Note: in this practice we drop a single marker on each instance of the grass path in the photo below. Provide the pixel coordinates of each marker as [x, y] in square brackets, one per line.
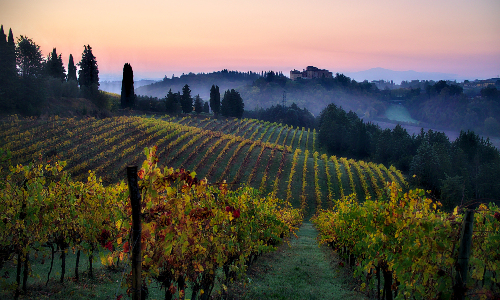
[299, 271]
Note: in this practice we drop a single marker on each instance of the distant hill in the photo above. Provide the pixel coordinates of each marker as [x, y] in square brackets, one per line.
[198, 83]
[398, 76]
[116, 86]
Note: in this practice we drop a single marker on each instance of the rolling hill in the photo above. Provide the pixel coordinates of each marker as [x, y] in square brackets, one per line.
[273, 158]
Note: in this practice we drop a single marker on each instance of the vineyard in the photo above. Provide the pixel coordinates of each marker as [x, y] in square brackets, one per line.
[190, 228]
[403, 245]
[267, 156]
[65, 190]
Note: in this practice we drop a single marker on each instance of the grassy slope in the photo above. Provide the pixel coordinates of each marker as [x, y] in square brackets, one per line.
[297, 271]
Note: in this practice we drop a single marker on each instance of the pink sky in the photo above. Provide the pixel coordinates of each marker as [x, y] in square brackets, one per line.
[161, 37]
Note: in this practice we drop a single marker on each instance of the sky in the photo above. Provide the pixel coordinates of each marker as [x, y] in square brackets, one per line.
[162, 37]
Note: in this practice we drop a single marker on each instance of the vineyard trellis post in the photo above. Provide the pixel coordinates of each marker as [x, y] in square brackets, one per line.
[464, 254]
[135, 201]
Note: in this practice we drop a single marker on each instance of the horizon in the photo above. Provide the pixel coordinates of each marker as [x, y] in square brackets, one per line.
[158, 39]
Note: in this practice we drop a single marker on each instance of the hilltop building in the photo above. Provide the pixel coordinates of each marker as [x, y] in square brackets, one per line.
[309, 73]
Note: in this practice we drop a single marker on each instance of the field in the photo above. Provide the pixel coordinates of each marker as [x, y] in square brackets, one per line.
[268, 156]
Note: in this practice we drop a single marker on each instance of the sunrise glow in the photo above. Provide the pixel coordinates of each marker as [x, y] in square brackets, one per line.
[160, 37]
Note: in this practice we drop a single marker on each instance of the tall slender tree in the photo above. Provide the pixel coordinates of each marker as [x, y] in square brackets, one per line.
[186, 100]
[3, 60]
[215, 99]
[11, 55]
[71, 69]
[127, 95]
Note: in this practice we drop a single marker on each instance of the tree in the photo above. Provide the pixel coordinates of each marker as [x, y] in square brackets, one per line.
[425, 168]
[186, 100]
[31, 94]
[29, 58]
[88, 75]
[54, 66]
[172, 104]
[206, 107]
[215, 99]
[71, 69]
[8, 72]
[198, 104]
[127, 95]
[232, 104]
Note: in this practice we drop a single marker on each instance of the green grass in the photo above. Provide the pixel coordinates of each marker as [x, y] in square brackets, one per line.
[397, 112]
[301, 270]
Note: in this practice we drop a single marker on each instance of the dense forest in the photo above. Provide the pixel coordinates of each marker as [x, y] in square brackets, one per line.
[456, 172]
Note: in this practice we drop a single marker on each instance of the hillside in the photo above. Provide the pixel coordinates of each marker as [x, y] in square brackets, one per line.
[198, 83]
[273, 158]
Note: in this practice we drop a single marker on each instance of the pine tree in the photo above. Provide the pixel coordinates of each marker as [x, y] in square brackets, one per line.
[54, 66]
[172, 104]
[186, 100]
[88, 75]
[215, 99]
[206, 107]
[198, 104]
[71, 69]
[232, 104]
[127, 95]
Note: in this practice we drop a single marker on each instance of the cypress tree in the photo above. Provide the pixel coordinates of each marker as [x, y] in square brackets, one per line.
[71, 69]
[186, 100]
[3, 61]
[11, 54]
[127, 95]
[215, 99]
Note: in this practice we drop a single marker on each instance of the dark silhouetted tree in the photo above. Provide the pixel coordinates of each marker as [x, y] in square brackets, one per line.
[31, 93]
[172, 103]
[88, 75]
[186, 100]
[71, 69]
[11, 55]
[215, 99]
[127, 95]
[232, 104]
[54, 66]
[206, 107]
[8, 72]
[29, 58]
[198, 104]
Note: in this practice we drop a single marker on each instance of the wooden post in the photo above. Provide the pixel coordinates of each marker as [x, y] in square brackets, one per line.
[135, 201]
[463, 255]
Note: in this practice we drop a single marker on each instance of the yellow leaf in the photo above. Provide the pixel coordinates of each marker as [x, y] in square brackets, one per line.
[119, 241]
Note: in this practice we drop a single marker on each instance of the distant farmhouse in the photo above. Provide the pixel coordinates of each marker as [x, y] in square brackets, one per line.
[309, 73]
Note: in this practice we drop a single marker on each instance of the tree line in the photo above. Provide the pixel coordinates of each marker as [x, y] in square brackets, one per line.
[231, 105]
[28, 79]
[456, 172]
